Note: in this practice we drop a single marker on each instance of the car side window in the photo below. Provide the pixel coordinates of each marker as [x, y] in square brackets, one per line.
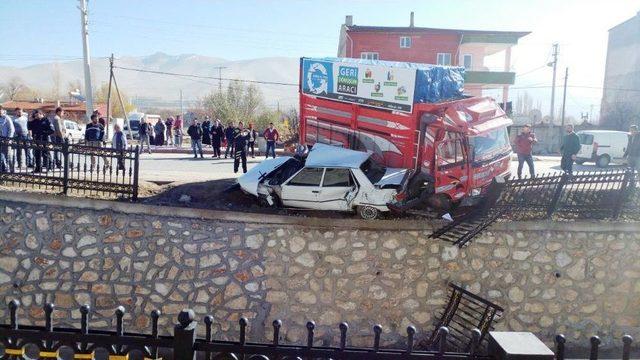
[307, 177]
[337, 178]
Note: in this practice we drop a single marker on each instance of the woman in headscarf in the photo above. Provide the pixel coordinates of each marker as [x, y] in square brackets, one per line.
[160, 129]
[206, 131]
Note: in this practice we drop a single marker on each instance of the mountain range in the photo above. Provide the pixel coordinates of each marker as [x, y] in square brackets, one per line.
[164, 90]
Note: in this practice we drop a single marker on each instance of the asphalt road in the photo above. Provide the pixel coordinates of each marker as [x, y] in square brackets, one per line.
[164, 168]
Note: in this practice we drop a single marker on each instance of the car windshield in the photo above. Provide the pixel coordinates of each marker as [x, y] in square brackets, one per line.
[488, 145]
[373, 170]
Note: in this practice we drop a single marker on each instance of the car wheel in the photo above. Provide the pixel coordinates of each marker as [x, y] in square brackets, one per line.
[368, 212]
[603, 161]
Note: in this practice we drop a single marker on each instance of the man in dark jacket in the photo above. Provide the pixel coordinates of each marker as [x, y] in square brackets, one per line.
[240, 140]
[569, 149]
[524, 146]
[144, 132]
[195, 132]
[41, 130]
[633, 149]
[94, 135]
[229, 134]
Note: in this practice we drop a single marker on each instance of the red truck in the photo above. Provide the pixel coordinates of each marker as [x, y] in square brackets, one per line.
[454, 147]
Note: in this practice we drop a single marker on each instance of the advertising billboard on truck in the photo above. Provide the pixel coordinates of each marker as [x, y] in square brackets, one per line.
[360, 82]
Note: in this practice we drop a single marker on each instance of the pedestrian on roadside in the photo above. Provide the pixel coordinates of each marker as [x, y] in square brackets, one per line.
[119, 143]
[253, 137]
[152, 133]
[240, 140]
[524, 147]
[206, 131]
[143, 132]
[195, 132]
[569, 149]
[59, 135]
[217, 134]
[229, 134]
[633, 149]
[41, 129]
[21, 125]
[177, 131]
[169, 125]
[94, 136]
[271, 136]
[160, 131]
[7, 132]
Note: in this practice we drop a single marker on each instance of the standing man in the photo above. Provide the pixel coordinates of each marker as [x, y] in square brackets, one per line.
[240, 140]
[41, 130]
[217, 134]
[271, 136]
[21, 125]
[7, 131]
[253, 137]
[94, 135]
[229, 134]
[195, 132]
[633, 149]
[119, 143]
[524, 147]
[569, 149]
[143, 132]
[59, 135]
[177, 131]
[169, 125]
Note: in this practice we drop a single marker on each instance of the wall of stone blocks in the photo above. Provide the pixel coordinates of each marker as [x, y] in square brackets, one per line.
[579, 279]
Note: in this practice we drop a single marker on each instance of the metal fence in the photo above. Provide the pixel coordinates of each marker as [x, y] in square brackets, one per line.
[48, 341]
[609, 194]
[67, 167]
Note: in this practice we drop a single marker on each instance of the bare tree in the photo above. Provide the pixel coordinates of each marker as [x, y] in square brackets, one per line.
[56, 81]
[13, 88]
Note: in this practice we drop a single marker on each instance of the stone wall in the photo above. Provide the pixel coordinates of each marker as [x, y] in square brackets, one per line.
[576, 278]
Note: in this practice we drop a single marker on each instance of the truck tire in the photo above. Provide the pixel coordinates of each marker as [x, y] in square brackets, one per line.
[368, 212]
[440, 202]
[603, 161]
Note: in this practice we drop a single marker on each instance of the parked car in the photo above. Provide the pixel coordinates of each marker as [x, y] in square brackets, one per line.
[602, 147]
[74, 131]
[328, 178]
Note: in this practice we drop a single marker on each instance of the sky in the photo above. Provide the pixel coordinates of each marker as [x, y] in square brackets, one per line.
[48, 30]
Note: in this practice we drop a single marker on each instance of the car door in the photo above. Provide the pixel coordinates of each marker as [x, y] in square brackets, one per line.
[302, 189]
[337, 184]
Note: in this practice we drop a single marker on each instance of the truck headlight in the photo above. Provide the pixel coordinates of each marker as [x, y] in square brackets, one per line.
[476, 191]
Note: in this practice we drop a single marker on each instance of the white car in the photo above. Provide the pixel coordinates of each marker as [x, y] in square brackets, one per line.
[74, 131]
[602, 147]
[330, 178]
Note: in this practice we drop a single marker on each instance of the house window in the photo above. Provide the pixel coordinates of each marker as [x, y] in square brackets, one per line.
[467, 61]
[405, 42]
[369, 55]
[444, 59]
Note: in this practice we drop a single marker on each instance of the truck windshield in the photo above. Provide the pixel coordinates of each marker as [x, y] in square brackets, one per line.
[373, 170]
[486, 146]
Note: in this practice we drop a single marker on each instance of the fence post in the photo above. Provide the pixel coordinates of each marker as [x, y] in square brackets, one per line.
[556, 195]
[65, 155]
[184, 336]
[136, 167]
[622, 197]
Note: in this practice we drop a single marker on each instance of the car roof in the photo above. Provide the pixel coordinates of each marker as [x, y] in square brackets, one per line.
[322, 155]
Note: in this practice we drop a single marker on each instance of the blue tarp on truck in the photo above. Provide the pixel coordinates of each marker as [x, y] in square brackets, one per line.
[384, 84]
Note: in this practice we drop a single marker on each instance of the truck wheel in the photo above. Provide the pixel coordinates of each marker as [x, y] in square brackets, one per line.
[440, 202]
[368, 212]
[603, 161]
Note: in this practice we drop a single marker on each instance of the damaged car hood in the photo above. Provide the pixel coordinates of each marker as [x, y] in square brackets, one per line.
[249, 182]
[393, 176]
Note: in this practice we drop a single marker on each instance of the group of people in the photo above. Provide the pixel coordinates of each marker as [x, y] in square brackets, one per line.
[239, 141]
[50, 128]
[569, 149]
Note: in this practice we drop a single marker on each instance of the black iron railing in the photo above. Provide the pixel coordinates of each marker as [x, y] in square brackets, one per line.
[67, 167]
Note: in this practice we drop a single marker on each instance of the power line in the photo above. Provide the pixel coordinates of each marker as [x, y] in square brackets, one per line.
[206, 77]
[530, 71]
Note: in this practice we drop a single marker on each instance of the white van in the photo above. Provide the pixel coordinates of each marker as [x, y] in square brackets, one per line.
[74, 131]
[602, 147]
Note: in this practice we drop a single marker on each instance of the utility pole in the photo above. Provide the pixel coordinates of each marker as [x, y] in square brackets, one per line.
[564, 101]
[84, 21]
[553, 63]
[220, 68]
